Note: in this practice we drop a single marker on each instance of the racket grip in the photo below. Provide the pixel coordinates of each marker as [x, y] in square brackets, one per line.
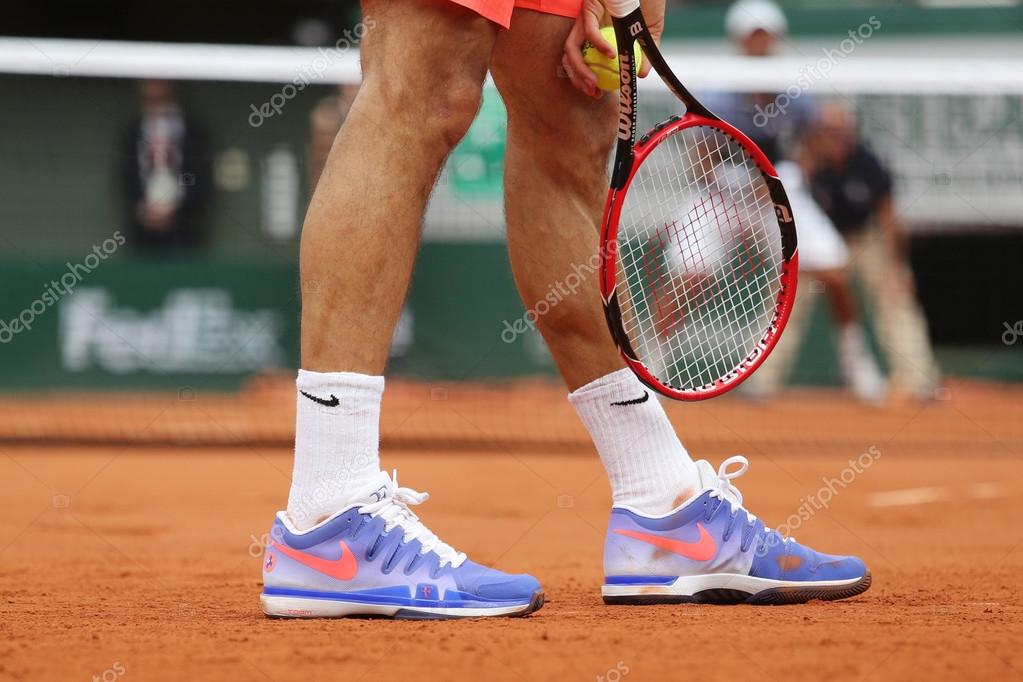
[621, 8]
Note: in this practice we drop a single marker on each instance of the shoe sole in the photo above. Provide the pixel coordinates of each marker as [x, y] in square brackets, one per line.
[304, 607]
[734, 589]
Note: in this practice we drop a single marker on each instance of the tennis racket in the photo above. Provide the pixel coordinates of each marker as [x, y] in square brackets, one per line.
[698, 246]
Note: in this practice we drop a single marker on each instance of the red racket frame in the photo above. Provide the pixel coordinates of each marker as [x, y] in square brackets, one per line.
[609, 260]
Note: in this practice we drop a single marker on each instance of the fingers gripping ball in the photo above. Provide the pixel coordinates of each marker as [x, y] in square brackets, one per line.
[607, 69]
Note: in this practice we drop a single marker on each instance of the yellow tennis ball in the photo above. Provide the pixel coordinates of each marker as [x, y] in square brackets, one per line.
[607, 69]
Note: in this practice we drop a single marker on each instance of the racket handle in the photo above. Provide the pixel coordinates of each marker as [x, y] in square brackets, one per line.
[621, 8]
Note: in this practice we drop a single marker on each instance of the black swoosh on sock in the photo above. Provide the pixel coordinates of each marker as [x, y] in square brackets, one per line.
[635, 401]
[333, 402]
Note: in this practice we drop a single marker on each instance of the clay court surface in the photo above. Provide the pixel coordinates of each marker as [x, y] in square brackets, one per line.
[125, 558]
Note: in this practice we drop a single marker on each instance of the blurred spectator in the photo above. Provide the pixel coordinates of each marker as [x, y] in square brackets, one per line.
[165, 172]
[756, 27]
[855, 189]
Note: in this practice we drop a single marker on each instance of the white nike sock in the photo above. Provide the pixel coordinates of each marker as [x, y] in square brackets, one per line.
[645, 462]
[337, 442]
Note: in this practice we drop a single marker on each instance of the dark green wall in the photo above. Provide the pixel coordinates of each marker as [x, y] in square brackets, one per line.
[61, 149]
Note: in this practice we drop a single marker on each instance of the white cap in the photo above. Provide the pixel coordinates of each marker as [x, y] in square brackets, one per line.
[746, 16]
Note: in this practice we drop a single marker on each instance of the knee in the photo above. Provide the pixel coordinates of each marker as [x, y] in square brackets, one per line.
[572, 142]
[455, 108]
[432, 110]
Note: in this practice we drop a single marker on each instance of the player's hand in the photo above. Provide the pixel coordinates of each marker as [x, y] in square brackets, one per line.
[587, 29]
[653, 12]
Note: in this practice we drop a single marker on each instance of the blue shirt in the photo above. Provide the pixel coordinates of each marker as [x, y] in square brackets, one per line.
[774, 122]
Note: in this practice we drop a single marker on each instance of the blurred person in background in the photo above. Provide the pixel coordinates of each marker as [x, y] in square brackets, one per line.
[855, 189]
[756, 27]
[165, 173]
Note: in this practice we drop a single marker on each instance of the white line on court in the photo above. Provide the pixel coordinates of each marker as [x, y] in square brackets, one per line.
[908, 496]
[927, 495]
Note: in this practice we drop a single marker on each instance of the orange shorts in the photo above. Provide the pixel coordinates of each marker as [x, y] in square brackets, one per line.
[500, 11]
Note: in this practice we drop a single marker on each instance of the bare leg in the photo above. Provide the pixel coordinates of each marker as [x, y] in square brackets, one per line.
[362, 229]
[424, 62]
[555, 185]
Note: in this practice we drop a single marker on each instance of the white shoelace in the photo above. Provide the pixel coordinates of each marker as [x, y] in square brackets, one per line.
[394, 509]
[729, 493]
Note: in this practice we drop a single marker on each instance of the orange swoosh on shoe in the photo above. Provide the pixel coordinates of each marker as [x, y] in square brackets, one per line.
[343, 568]
[701, 550]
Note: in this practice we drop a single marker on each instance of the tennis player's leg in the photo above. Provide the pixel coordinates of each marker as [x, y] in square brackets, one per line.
[348, 525]
[559, 141]
[423, 64]
[677, 530]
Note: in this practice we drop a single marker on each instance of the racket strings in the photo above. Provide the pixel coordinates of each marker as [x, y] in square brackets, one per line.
[700, 258]
[714, 293]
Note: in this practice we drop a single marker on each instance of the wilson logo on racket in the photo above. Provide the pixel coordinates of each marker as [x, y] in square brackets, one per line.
[625, 100]
[746, 362]
[783, 213]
